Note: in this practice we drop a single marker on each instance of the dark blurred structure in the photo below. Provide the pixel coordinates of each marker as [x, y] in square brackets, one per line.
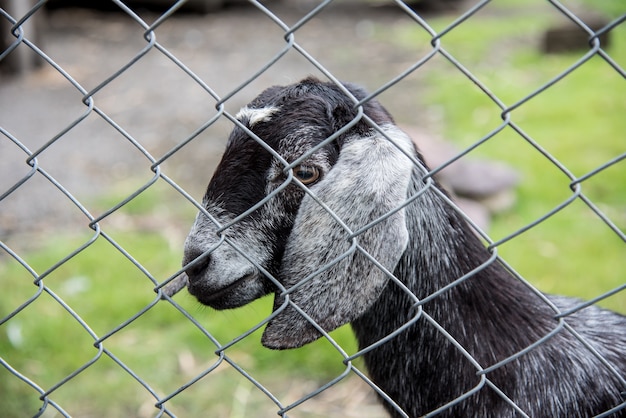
[19, 58]
[570, 37]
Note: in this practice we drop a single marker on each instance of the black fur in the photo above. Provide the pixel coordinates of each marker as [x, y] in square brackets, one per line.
[491, 314]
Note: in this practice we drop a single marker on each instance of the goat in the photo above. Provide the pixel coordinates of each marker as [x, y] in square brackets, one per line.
[350, 229]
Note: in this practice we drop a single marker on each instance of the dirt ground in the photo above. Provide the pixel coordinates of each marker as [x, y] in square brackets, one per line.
[160, 105]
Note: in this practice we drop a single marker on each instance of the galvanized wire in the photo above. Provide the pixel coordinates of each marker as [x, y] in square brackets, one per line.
[162, 283]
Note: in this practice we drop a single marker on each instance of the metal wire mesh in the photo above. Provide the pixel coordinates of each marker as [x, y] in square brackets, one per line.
[43, 177]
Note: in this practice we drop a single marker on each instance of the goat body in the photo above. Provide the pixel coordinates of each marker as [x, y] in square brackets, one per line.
[354, 233]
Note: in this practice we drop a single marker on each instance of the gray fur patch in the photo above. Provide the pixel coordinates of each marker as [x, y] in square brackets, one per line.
[369, 180]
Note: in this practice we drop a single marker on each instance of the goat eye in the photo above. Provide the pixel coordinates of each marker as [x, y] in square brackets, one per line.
[306, 174]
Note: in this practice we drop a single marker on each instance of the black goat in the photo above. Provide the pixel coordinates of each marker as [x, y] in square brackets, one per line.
[379, 207]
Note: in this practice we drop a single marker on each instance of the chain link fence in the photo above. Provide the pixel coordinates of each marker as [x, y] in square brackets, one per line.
[107, 146]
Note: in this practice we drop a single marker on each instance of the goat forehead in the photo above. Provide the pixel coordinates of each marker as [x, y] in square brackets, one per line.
[286, 134]
[298, 142]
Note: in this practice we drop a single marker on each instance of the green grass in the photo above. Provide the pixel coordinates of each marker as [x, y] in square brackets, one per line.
[578, 122]
[105, 289]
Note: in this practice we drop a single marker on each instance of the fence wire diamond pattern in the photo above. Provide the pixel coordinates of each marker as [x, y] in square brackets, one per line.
[137, 101]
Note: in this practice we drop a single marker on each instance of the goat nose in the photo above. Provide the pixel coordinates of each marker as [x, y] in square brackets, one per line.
[200, 263]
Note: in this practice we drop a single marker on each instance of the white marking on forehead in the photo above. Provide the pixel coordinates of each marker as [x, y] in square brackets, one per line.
[255, 116]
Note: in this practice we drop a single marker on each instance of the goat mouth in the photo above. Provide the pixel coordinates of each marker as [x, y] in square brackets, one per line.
[230, 296]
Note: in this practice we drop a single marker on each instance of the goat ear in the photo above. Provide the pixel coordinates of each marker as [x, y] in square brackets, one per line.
[327, 277]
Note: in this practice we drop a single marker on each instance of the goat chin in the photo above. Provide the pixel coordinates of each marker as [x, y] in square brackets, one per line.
[373, 241]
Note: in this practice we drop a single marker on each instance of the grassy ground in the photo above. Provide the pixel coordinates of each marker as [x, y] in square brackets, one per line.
[105, 289]
[579, 121]
[576, 122]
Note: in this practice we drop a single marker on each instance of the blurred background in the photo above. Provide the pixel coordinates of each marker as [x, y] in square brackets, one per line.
[126, 99]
